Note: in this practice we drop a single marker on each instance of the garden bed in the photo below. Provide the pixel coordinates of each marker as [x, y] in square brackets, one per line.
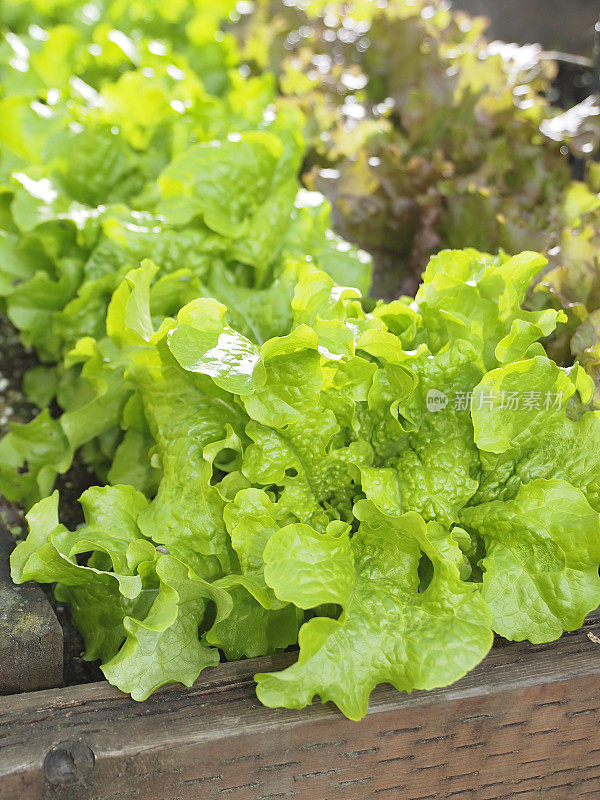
[524, 722]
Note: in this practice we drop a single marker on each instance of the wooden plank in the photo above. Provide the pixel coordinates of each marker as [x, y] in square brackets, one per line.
[524, 722]
[566, 25]
[31, 639]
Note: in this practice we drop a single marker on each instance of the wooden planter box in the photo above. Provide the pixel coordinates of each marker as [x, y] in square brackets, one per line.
[526, 721]
[566, 25]
[524, 724]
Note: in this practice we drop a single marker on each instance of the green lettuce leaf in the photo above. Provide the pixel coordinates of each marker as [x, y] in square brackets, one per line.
[540, 575]
[389, 631]
[387, 488]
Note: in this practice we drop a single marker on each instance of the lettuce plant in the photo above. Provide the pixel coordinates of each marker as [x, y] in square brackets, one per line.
[384, 485]
[386, 488]
[423, 134]
[135, 147]
[426, 135]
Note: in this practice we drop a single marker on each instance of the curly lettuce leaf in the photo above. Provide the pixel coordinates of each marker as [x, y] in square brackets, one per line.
[145, 662]
[135, 606]
[540, 575]
[389, 631]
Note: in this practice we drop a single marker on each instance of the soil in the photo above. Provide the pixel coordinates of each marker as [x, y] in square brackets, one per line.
[15, 360]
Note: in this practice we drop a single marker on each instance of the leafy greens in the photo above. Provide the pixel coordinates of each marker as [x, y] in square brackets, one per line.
[425, 135]
[384, 484]
[139, 148]
[310, 491]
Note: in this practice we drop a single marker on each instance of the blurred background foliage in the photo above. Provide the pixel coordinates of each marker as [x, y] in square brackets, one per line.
[421, 132]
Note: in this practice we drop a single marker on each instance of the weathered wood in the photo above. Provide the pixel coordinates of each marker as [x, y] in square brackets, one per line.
[31, 639]
[524, 724]
[566, 25]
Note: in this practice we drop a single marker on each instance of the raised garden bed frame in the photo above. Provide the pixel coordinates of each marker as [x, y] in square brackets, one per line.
[526, 721]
